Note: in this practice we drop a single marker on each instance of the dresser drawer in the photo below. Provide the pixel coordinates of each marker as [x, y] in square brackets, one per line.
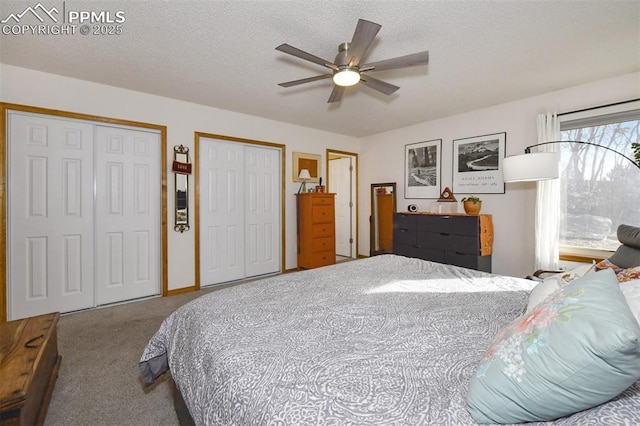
[323, 201]
[323, 244]
[471, 261]
[431, 254]
[324, 258]
[404, 221]
[407, 250]
[461, 225]
[446, 241]
[404, 236]
[323, 230]
[461, 259]
[322, 214]
[434, 255]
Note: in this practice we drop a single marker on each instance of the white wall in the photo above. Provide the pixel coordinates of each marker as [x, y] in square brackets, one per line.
[32, 88]
[513, 212]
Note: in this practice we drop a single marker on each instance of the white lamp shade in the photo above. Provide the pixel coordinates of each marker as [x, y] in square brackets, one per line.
[531, 167]
[304, 174]
[346, 78]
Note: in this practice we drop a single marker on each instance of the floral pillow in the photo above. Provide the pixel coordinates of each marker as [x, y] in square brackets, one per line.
[628, 274]
[577, 349]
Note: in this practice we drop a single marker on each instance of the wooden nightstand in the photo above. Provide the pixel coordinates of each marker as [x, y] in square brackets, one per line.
[29, 364]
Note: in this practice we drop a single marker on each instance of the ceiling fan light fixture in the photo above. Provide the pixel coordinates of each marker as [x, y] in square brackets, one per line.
[346, 77]
[349, 67]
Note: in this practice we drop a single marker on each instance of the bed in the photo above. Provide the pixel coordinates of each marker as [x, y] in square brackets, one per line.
[387, 340]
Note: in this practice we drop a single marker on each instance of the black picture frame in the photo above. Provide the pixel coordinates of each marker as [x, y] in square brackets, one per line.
[477, 164]
[422, 169]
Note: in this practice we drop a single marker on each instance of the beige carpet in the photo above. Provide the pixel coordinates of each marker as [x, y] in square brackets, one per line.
[98, 382]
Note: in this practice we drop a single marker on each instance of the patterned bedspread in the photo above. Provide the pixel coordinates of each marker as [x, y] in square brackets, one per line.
[381, 341]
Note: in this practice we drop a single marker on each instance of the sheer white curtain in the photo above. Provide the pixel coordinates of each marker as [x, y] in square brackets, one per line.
[548, 200]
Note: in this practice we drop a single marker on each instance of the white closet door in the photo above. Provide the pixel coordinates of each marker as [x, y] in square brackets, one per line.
[262, 210]
[221, 171]
[127, 221]
[50, 203]
[340, 184]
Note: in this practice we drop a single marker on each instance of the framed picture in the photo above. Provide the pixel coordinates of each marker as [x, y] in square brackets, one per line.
[311, 162]
[422, 169]
[477, 164]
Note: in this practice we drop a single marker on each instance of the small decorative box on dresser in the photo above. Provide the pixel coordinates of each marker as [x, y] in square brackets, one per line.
[29, 364]
[456, 239]
[316, 230]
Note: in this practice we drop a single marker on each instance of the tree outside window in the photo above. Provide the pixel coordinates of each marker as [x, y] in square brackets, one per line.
[599, 188]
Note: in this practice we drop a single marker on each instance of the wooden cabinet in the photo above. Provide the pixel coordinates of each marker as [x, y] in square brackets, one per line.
[456, 239]
[316, 230]
[29, 364]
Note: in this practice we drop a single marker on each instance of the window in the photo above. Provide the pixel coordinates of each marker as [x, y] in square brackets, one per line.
[599, 188]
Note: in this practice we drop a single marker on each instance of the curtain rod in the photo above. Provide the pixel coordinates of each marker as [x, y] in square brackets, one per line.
[600, 106]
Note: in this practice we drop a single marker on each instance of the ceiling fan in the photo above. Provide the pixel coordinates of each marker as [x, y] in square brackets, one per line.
[347, 69]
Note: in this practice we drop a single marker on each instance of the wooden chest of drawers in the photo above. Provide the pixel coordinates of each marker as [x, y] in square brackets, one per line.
[456, 239]
[316, 230]
[29, 364]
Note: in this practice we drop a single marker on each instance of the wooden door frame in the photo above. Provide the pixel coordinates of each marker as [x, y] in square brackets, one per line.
[196, 180]
[4, 113]
[337, 153]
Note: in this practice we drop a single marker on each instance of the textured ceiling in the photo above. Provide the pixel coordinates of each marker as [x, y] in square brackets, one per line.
[222, 54]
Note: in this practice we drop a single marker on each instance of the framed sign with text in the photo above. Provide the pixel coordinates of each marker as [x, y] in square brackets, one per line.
[477, 164]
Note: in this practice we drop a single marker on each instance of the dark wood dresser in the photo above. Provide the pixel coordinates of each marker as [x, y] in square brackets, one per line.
[316, 230]
[29, 363]
[456, 239]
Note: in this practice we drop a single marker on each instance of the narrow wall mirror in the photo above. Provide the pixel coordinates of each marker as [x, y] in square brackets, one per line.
[181, 170]
[383, 206]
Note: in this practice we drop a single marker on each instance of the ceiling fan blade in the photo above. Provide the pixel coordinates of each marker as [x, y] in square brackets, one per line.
[362, 38]
[379, 85]
[286, 48]
[305, 80]
[336, 94]
[413, 60]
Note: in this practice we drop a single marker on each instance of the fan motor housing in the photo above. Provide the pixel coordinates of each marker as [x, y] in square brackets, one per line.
[341, 58]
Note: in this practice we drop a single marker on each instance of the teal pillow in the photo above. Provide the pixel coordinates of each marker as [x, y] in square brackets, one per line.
[577, 349]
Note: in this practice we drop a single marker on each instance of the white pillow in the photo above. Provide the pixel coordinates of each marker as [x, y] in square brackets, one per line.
[554, 282]
[575, 273]
[541, 291]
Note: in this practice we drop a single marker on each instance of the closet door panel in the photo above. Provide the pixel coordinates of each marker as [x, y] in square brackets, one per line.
[50, 215]
[128, 205]
[262, 220]
[221, 166]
